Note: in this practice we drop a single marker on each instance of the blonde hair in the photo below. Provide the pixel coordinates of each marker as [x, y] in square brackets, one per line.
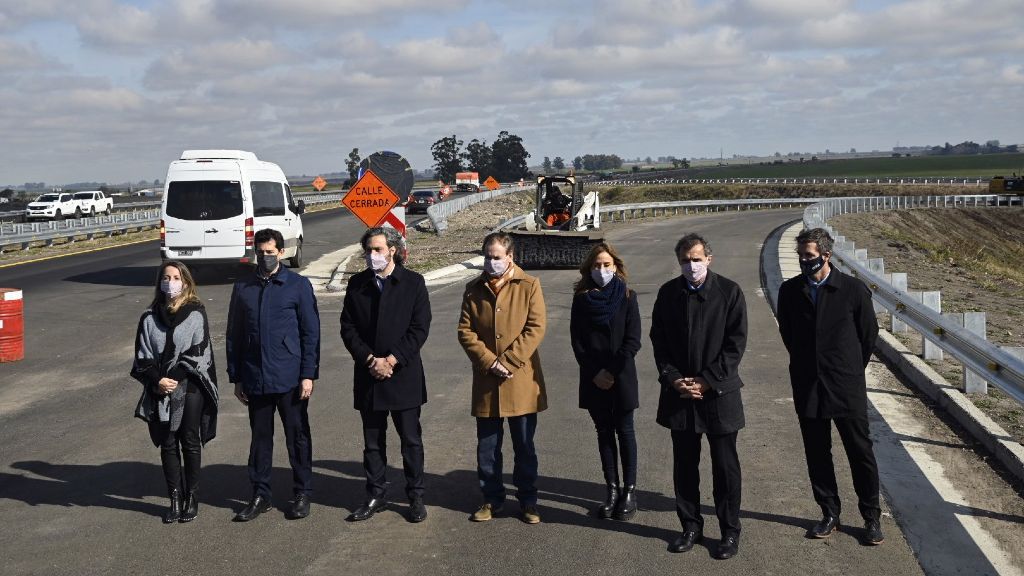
[188, 287]
[586, 282]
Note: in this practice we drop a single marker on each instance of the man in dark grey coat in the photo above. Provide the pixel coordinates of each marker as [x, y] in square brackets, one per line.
[828, 325]
[699, 333]
[385, 321]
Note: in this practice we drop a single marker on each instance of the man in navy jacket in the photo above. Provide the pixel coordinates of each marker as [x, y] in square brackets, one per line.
[273, 357]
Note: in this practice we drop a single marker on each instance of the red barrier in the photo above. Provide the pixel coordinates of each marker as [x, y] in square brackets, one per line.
[12, 325]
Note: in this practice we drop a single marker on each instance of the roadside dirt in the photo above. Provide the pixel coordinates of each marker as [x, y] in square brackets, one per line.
[975, 257]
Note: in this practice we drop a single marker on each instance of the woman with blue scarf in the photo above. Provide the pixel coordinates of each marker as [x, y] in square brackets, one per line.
[605, 333]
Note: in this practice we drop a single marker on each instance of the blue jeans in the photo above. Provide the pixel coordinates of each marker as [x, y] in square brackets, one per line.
[489, 435]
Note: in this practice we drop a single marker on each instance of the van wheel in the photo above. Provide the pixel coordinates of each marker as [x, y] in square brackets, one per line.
[296, 261]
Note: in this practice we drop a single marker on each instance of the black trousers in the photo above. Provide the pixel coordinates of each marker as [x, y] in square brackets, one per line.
[295, 421]
[817, 435]
[375, 451]
[727, 480]
[185, 441]
[609, 422]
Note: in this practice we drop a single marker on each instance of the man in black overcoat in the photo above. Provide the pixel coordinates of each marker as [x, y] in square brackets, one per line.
[385, 320]
[828, 325]
[699, 333]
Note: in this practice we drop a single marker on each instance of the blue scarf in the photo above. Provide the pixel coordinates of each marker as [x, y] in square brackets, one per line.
[604, 302]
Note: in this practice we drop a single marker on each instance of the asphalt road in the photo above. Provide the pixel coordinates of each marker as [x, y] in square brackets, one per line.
[81, 489]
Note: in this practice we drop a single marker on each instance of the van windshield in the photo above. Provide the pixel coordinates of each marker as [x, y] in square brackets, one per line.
[267, 199]
[204, 199]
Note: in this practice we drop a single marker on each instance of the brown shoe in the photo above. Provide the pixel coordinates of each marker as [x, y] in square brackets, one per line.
[530, 514]
[486, 512]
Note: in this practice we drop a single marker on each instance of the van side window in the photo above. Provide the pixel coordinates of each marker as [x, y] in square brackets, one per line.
[204, 199]
[267, 199]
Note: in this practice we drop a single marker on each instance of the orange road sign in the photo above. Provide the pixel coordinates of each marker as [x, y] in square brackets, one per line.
[370, 199]
[491, 183]
[319, 183]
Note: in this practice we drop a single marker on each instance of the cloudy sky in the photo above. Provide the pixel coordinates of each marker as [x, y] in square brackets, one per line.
[112, 90]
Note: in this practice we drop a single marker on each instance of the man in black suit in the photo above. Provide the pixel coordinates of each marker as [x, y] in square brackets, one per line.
[385, 320]
[699, 333]
[828, 325]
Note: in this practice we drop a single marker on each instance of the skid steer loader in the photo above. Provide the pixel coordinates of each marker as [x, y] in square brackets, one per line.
[559, 232]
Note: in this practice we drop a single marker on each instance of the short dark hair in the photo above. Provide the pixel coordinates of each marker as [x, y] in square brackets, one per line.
[266, 235]
[691, 240]
[819, 236]
[503, 238]
[391, 236]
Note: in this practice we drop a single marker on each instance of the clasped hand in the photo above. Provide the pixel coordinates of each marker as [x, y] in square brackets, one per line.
[499, 370]
[692, 388]
[381, 369]
[604, 379]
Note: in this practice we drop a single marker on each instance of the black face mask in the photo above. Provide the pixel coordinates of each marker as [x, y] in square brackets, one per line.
[810, 267]
[267, 263]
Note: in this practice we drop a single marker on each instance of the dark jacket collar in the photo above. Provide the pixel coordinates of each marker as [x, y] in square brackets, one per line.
[710, 284]
[279, 277]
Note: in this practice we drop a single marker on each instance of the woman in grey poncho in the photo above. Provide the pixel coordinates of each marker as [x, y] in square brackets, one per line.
[174, 363]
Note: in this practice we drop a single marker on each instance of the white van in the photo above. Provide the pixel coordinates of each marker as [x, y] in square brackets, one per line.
[214, 202]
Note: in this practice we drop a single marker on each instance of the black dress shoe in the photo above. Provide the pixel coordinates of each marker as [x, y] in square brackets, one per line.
[826, 527]
[366, 511]
[417, 511]
[625, 508]
[607, 508]
[258, 505]
[300, 507]
[685, 541]
[727, 547]
[873, 533]
[173, 513]
[191, 510]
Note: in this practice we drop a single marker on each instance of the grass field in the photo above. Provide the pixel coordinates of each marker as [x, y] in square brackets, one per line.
[981, 165]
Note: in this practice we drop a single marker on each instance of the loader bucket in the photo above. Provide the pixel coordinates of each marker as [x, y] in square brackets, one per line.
[552, 249]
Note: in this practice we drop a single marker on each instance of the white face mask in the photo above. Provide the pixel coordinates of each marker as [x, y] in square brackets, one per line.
[495, 267]
[602, 276]
[694, 272]
[172, 288]
[376, 261]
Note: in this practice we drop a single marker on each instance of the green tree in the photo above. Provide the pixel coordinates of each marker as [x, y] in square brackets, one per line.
[577, 163]
[546, 165]
[509, 157]
[447, 154]
[558, 163]
[478, 158]
[352, 165]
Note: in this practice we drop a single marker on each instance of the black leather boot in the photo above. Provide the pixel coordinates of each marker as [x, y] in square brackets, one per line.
[605, 511]
[174, 510]
[625, 508]
[191, 507]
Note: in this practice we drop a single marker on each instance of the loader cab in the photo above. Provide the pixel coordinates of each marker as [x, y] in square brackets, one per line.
[558, 198]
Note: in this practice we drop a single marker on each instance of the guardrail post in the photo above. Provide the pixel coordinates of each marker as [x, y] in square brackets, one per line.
[975, 323]
[899, 282]
[877, 266]
[933, 300]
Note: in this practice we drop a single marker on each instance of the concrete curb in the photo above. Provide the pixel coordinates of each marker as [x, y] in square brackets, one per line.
[338, 280]
[953, 401]
[915, 370]
[473, 263]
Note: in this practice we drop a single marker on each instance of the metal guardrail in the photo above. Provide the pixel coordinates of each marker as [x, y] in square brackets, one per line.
[24, 235]
[994, 364]
[640, 210]
[439, 213]
[886, 181]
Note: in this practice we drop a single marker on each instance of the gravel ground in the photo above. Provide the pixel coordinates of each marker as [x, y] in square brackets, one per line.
[975, 257]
